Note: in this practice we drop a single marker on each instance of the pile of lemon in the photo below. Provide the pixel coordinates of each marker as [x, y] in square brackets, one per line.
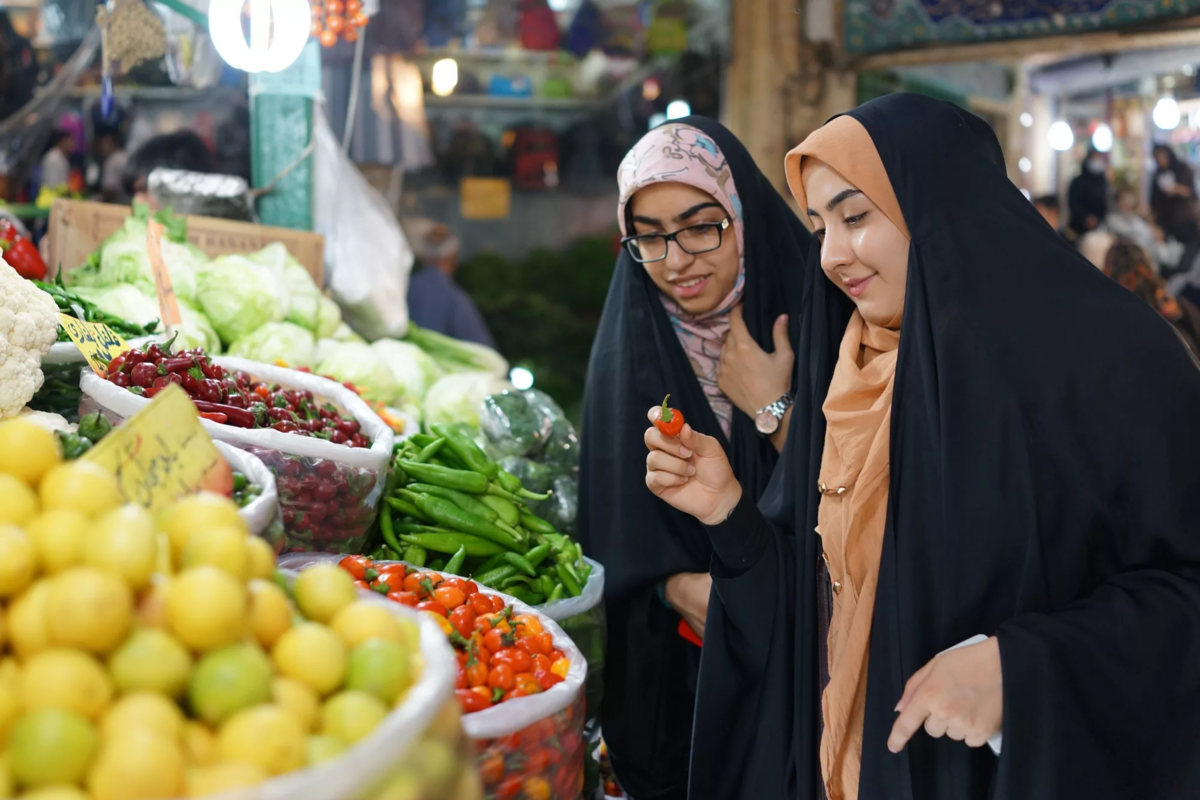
[158, 658]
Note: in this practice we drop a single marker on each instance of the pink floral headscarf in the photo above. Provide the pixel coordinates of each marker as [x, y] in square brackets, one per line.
[683, 154]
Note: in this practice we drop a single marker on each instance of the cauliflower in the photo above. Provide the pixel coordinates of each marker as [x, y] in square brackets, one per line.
[28, 327]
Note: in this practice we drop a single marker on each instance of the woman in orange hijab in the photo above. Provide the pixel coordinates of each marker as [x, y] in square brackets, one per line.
[974, 574]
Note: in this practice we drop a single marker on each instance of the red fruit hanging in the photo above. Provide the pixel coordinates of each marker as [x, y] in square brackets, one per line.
[328, 38]
[350, 34]
[335, 23]
[316, 28]
[361, 19]
[334, 7]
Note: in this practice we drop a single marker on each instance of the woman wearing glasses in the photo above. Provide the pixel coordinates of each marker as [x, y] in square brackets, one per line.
[707, 283]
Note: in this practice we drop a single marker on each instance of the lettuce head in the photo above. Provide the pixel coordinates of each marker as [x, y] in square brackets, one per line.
[277, 341]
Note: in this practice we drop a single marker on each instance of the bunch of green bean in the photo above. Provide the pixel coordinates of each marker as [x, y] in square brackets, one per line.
[445, 496]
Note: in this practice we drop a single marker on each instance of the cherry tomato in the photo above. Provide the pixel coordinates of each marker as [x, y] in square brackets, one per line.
[519, 660]
[496, 640]
[334, 7]
[449, 596]
[335, 23]
[527, 625]
[509, 789]
[501, 677]
[353, 7]
[477, 672]
[670, 421]
[492, 769]
[546, 678]
[472, 701]
[328, 38]
[555, 655]
[481, 603]
[361, 19]
[537, 763]
[463, 620]
[460, 679]
[404, 598]
[541, 663]
[316, 28]
[435, 607]
[497, 603]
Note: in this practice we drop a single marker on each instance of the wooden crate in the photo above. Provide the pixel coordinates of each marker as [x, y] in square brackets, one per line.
[77, 228]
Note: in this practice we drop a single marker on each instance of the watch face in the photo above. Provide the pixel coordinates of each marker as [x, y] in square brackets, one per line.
[767, 423]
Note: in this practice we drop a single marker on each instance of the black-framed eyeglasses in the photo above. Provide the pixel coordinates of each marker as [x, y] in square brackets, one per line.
[694, 240]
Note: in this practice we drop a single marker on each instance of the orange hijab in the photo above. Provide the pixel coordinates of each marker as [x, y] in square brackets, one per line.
[854, 467]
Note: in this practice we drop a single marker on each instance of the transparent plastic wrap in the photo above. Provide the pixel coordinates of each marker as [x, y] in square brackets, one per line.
[528, 748]
[328, 493]
[262, 512]
[562, 509]
[512, 426]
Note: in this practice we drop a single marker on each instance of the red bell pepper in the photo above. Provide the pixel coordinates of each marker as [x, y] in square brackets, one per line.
[21, 255]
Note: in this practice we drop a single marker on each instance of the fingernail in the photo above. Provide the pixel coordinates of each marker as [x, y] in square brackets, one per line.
[783, 318]
[691, 471]
[684, 452]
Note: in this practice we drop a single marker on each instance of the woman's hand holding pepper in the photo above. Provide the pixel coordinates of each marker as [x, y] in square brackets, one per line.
[749, 376]
[691, 472]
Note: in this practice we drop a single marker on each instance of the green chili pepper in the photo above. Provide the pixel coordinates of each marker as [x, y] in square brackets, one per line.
[429, 451]
[490, 564]
[454, 565]
[404, 507]
[451, 516]
[585, 572]
[386, 529]
[507, 511]
[462, 480]
[546, 584]
[569, 580]
[415, 555]
[94, 427]
[525, 494]
[409, 526]
[466, 449]
[537, 555]
[421, 439]
[522, 593]
[461, 499]
[521, 563]
[536, 524]
[438, 564]
[496, 576]
[450, 542]
[508, 481]
[73, 445]
[578, 555]
[520, 580]
[556, 594]
[497, 491]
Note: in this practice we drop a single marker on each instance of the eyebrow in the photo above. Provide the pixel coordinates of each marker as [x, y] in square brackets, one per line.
[837, 200]
[691, 212]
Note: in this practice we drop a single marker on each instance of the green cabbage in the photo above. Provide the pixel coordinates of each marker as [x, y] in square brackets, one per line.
[357, 363]
[196, 331]
[305, 306]
[122, 301]
[329, 318]
[414, 369]
[242, 293]
[122, 259]
[459, 397]
[343, 333]
[277, 341]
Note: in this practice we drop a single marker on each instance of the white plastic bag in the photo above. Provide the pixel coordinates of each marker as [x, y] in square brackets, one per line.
[300, 464]
[514, 730]
[261, 512]
[367, 258]
[69, 353]
[355, 774]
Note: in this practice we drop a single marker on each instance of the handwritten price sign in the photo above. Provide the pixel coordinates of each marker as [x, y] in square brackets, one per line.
[98, 342]
[163, 453]
[168, 304]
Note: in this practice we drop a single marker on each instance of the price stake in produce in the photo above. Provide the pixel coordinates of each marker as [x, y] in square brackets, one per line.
[98, 342]
[168, 305]
[162, 453]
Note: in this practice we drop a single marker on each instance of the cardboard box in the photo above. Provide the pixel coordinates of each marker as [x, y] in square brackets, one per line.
[77, 228]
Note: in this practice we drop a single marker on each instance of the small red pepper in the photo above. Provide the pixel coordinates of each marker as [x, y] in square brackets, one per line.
[22, 256]
[214, 416]
[238, 417]
[670, 421]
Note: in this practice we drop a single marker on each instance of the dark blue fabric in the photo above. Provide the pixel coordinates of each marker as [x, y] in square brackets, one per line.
[436, 302]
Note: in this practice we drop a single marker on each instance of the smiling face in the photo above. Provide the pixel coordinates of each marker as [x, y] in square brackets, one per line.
[862, 251]
[698, 283]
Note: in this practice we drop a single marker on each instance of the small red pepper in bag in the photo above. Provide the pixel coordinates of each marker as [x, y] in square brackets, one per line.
[23, 256]
[670, 421]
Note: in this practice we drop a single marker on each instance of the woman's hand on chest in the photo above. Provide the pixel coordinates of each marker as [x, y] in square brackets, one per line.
[748, 375]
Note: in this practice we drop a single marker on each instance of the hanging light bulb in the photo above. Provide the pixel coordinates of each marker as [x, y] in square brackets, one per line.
[445, 77]
[677, 109]
[1026, 119]
[1166, 113]
[656, 119]
[1061, 137]
[1102, 138]
[279, 30]
[1025, 165]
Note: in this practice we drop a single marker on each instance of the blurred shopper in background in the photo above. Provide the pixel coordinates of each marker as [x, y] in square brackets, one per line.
[180, 150]
[110, 154]
[1087, 197]
[56, 161]
[435, 301]
[1173, 197]
[1131, 266]
[1127, 221]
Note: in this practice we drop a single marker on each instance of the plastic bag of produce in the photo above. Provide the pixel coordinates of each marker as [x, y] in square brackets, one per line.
[562, 508]
[261, 509]
[328, 492]
[512, 426]
[530, 746]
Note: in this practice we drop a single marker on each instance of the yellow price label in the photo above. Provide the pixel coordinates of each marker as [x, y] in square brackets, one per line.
[98, 342]
[163, 453]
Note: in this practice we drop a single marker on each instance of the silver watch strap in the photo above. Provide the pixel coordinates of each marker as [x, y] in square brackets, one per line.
[780, 406]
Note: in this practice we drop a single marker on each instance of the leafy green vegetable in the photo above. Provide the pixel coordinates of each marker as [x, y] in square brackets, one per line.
[414, 369]
[196, 330]
[122, 300]
[329, 318]
[122, 258]
[357, 363]
[512, 425]
[240, 294]
[453, 355]
[277, 341]
[459, 397]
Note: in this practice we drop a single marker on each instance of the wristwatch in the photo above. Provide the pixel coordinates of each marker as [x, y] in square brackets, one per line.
[767, 420]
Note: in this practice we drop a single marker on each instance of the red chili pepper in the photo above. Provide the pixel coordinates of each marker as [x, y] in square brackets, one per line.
[23, 256]
[214, 416]
[177, 364]
[238, 417]
[685, 631]
[670, 422]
